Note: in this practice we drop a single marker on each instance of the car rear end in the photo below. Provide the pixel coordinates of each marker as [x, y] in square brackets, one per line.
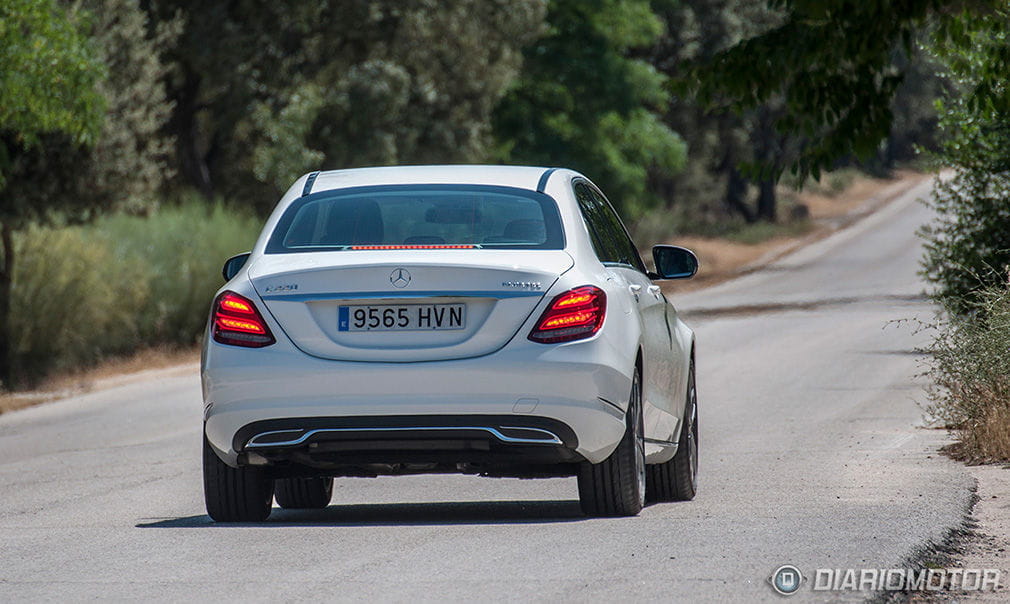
[386, 329]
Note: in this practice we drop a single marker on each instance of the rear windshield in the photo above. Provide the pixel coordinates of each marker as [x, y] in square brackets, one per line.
[419, 217]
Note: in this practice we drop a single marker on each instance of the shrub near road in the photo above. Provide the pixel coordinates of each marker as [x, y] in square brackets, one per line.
[122, 283]
[970, 367]
[968, 246]
[182, 249]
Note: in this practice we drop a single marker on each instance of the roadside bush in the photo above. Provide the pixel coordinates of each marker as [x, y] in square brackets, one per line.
[72, 301]
[122, 283]
[969, 367]
[182, 248]
[968, 243]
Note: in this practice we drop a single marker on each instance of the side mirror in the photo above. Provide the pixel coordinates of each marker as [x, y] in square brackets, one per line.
[673, 262]
[233, 265]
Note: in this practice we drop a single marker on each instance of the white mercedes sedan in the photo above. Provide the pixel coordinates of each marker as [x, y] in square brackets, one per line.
[491, 320]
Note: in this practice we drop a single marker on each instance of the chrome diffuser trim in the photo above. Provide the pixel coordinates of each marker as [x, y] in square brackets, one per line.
[549, 437]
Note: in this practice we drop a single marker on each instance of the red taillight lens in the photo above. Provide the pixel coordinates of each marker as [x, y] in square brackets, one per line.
[574, 315]
[238, 323]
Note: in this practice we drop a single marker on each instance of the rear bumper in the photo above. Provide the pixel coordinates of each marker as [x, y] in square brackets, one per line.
[570, 391]
[373, 445]
[297, 432]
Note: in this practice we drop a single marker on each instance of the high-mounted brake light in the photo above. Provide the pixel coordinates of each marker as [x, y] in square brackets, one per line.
[436, 246]
[574, 315]
[238, 323]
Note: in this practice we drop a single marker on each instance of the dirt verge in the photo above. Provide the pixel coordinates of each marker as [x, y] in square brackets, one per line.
[988, 545]
[109, 373]
[724, 259]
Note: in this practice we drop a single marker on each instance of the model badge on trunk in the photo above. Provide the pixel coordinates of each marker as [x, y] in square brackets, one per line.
[522, 284]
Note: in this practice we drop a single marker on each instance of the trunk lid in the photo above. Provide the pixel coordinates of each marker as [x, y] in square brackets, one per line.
[401, 305]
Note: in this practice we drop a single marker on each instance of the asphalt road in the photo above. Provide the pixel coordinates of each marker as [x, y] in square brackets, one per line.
[811, 456]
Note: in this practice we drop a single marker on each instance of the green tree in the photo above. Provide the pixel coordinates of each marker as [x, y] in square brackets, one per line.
[968, 244]
[915, 123]
[833, 64]
[228, 57]
[425, 91]
[718, 141]
[583, 101]
[47, 76]
[113, 157]
[47, 88]
[264, 93]
[131, 158]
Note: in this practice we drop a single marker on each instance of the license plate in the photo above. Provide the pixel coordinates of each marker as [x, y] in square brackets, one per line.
[402, 317]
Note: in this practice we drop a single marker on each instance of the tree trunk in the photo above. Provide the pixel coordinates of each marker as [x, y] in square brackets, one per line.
[6, 280]
[736, 195]
[769, 149]
[767, 201]
[184, 125]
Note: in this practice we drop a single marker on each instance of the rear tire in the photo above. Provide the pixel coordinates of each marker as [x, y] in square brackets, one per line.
[304, 493]
[235, 494]
[677, 479]
[616, 486]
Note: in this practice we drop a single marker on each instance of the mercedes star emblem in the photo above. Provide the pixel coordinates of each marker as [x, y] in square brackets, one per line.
[399, 277]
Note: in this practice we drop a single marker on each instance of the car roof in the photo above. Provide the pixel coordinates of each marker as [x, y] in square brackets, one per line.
[524, 177]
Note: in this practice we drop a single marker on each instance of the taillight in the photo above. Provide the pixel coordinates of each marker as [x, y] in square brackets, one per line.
[237, 322]
[574, 315]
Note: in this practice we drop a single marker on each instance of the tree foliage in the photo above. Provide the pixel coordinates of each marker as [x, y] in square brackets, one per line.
[915, 123]
[975, 118]
[47, 78]
[82, 136]
[968, 245]
[267, 94]
[130, 159]
[712, 185]
[47, 88]
[125, 162]
[583, 101]
[832, 61]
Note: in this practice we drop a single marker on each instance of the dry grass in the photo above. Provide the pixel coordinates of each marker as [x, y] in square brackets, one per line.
[988, 441]
[992, 436]
[968, 364]
[722, 259]
[107, 373]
